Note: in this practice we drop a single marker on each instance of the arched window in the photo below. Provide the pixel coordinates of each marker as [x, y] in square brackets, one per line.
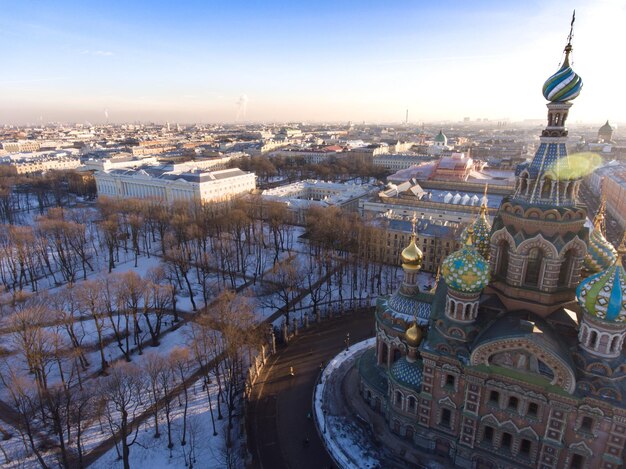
[503, 259]
[523, 184]
[565, 273]
[452, 307]
[398, 398]
[593, 339]
[396, 355]
[614, 342]
[385, 352]
[533, 267]
[571, 190]
[412, 403]
[546, 189]
[468, 311]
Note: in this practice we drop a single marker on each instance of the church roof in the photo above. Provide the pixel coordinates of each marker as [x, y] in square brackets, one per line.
[407, 373]
[606, 127]
[407, 307]
[518, 324]
[441, 137]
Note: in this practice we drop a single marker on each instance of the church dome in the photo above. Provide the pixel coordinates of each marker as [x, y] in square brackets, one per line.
[603, 295]
[412, 255]
[564, 85]
[482, 231]
[466, 270]
[600, 253]
[413, 335]
[606, 128]
[441, 137]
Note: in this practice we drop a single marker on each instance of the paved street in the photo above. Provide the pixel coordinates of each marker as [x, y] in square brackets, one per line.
[277, 414]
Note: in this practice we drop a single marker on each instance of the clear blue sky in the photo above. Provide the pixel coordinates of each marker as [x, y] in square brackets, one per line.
[327, 60]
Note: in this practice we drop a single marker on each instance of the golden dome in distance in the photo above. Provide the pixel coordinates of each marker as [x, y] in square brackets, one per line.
[412, 255]
[413, 335]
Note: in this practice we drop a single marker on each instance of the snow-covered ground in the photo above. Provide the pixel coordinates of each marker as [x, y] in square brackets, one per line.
[209, 450]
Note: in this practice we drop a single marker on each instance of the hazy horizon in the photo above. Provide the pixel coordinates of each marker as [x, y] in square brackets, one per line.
[278, 62]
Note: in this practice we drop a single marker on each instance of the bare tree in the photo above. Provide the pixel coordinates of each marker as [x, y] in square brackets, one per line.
[285, 280]
[121, 392]
[153, 366]
[89, 295]
[24, 397]
[181, 365]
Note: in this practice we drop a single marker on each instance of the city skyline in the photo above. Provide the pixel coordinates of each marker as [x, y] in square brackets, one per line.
[281, 62]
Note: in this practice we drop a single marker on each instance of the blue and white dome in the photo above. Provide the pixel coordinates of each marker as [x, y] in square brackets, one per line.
[564, 85]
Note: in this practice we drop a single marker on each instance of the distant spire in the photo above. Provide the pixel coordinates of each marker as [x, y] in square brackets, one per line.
[414, 224]
[469, 241]
[483, 205]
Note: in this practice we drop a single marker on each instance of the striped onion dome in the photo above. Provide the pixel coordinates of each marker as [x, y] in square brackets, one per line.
[603, 295]
[466, 270]
[565, 84]
[600, 253]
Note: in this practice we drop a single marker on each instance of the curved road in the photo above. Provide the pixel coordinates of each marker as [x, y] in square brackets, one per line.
[277, 412]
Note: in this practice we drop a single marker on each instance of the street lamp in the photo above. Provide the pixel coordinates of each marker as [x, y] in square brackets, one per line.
[347, 341]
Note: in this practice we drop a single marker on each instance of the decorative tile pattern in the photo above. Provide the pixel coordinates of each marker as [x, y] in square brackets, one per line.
[406, 307]
[600, 253]
[407, 373]
[604, 294]
[466, 270]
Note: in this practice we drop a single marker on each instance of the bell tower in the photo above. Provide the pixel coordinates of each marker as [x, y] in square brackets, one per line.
[538, 239]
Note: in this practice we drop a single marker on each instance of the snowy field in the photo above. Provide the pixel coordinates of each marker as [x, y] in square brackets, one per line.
[279, 278]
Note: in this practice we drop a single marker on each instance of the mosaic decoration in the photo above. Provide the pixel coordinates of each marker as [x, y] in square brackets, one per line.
[406, 308]
[600, 253]
[407, 373]
[603, 295]
[481, 235]
[466, 270]
[547, 158]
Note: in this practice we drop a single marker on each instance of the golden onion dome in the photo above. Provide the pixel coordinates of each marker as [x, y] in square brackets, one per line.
[413, 335]
[412, 255]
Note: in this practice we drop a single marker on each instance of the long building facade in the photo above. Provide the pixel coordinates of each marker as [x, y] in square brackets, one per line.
[161, 183]
[516, 360]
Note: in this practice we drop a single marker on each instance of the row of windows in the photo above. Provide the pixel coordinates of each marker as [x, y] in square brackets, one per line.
[506, 441]
[525, 448]
[532, 410]
[513, 404]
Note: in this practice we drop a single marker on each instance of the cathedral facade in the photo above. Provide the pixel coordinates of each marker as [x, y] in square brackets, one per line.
[515, 359]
